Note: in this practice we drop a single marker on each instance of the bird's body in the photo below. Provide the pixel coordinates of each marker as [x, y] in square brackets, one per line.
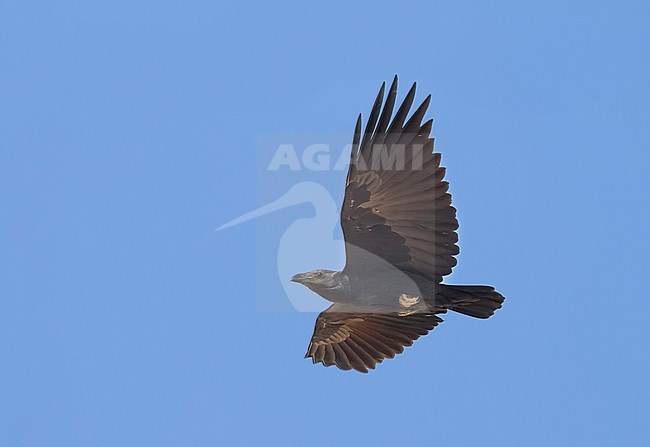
[386, 291]
[400, 237]
[364, 289]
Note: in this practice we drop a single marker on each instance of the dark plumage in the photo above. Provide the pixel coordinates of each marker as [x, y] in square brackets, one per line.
[400, 234]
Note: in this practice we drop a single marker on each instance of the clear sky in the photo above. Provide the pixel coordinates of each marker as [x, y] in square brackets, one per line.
[129, 131]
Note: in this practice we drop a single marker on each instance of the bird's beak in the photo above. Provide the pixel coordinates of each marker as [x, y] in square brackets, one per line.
[299, 278]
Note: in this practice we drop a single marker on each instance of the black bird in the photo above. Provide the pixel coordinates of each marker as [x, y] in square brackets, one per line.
[400, 237]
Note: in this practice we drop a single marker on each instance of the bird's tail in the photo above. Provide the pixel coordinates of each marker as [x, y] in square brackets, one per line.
[475, 301]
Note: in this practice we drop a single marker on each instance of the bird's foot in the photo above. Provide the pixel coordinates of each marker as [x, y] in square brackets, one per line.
[409, 303]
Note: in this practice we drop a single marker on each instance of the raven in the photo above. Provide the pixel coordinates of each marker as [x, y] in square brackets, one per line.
[400, 240]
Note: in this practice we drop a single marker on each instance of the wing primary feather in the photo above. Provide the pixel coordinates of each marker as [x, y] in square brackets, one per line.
[372, 119]
[379, 350]
[355, 361]
[403, 111]
[354, 152]
[357, 136]
[367, 359]
[319, 354]
[386, 113]
[413, 124]
[341, 359]
[393, 345]
[367, 347]
[330, 357]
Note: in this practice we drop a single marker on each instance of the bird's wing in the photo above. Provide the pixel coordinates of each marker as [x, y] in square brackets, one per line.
[400, 212]
[353, 339]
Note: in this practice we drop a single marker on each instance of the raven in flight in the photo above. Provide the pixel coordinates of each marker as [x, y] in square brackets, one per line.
[400, 238]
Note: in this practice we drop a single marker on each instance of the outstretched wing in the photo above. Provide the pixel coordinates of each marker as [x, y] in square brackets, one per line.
[396, 203]
[353, 339]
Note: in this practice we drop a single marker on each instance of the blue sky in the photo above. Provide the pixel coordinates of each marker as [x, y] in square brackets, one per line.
[130, 131]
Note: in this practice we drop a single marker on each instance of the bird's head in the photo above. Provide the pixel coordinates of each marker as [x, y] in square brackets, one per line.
[318, 279]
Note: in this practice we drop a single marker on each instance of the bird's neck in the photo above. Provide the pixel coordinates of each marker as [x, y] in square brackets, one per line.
[340, 293]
